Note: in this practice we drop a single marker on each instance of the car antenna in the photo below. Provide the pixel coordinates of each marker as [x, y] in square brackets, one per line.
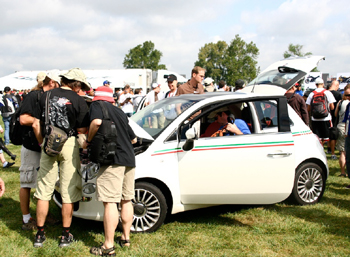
[253, 87]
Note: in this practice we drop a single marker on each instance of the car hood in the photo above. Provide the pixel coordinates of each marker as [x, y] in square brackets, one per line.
[290, 70]
[139, 132]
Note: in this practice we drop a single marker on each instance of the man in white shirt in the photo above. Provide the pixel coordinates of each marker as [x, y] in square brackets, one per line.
[320, 125]
[125, 101]
[157, 119]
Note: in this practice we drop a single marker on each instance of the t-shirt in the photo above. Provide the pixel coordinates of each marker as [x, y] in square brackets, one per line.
[127, 107]
[330, 99]
[67, 110]
[125, 152]
[30, 106]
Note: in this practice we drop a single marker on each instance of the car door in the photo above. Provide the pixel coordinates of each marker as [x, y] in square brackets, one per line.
[242, 169]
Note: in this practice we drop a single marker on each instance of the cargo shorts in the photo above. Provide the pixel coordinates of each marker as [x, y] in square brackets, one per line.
[30, 161]
[68, 165]
[115, 183]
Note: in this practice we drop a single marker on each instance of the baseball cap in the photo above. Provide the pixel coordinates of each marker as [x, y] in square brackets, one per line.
[171, 78]
[155, 85]
[208, 81]
[106, 82]
[104, 93]
[41, 76]
[54, 75]
[319, 81]
[78, 75]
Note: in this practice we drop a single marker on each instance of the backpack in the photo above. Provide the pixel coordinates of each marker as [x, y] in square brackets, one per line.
[16, 129]
[103, 146]
[6, 110]
[319, 105]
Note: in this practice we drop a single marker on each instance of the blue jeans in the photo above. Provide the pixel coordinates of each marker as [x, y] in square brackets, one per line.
[7, 129]
[347, 154]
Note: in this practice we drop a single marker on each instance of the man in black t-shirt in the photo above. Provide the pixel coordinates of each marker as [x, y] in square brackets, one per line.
[30, 152]
[69, 112]
[115, 183]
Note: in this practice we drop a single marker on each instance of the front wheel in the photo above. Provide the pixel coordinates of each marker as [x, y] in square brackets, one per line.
[150, 208]
[309, 184]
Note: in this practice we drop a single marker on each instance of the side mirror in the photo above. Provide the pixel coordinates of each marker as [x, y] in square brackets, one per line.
[190, 135]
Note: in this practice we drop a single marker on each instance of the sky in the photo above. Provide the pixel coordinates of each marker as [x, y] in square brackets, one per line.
[90, 34]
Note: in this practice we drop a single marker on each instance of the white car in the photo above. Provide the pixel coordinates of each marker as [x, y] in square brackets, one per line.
[178, 169]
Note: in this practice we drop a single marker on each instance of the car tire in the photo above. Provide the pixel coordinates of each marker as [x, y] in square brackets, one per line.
[150, 208]
[309, 184]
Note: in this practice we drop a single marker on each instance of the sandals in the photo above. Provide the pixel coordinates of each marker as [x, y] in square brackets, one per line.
[122, 242]
[101, 251]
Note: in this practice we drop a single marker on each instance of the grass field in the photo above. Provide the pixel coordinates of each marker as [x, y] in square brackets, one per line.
[274, 230]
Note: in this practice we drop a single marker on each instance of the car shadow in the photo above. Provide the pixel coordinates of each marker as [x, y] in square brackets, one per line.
[210, 215]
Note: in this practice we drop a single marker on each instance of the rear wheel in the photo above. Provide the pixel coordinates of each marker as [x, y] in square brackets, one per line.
[150, 208]
[309, 184]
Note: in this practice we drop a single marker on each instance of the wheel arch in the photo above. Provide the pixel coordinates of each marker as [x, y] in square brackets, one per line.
[316, 161]
[163, 188]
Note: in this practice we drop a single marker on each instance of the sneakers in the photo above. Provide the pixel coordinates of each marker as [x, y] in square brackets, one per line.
[8, 165]
[347, 187]
[66, 241]
[329, 150]
[334, 157]
[31, 225]
[39, 240]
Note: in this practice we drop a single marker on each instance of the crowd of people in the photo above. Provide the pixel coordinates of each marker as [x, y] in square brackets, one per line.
[57, 97]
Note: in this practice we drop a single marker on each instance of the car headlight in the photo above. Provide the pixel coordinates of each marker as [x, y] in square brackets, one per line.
[90, 171]
[89, 188]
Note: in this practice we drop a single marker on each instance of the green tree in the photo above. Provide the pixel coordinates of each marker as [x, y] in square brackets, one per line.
[211, 57]
[295, 50]
[144, 56]
[229, 62]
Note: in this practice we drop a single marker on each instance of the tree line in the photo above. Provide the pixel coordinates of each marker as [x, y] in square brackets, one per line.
[222, 60]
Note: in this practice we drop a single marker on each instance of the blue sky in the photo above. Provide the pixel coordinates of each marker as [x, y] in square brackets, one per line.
[62, 34]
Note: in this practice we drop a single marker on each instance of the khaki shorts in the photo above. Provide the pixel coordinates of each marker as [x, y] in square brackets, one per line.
[115, 183]
[70, 180]
[30, 161]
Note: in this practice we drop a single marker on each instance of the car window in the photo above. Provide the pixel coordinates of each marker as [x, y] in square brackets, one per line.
[157, 116]
[267, 113]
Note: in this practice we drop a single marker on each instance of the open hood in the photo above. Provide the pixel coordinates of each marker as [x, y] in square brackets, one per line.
[282, 75]
[139, 132]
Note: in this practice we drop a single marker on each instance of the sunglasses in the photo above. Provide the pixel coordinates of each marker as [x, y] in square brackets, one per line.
[347, 95]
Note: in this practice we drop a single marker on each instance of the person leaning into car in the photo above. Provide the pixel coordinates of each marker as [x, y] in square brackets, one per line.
[115, 182]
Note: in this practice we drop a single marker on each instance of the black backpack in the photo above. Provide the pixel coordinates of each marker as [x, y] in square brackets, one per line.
[103, 146]
[5, 108]
[16, 129]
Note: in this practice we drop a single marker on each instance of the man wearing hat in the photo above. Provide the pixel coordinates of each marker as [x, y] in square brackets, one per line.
[106, 83]
[69, 112]
[31, 151]
[209, 86]
[172, 84]
[115, 182]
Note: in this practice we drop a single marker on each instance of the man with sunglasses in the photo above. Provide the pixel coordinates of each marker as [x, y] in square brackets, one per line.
[194, 85]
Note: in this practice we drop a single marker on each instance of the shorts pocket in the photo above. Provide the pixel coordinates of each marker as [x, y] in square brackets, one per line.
[27, 175]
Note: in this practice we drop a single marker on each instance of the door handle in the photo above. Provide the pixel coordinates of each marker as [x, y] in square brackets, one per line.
[278, 154]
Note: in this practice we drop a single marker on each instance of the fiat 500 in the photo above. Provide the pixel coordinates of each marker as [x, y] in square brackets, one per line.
[180, 167]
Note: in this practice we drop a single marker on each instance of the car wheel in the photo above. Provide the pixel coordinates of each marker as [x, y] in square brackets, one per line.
[150, 208]
[309, 184]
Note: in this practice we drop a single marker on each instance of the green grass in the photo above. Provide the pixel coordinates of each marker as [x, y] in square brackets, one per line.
[273, 230]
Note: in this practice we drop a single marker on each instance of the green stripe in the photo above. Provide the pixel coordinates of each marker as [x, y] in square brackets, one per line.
[262, 143]
[168, 150]
[301, 132]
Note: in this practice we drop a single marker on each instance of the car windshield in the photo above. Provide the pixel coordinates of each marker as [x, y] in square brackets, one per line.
[274, 77]
[156, 117]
